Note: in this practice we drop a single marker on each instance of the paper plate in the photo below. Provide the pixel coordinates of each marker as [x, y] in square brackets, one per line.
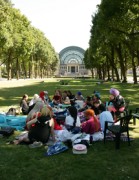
[79, 147]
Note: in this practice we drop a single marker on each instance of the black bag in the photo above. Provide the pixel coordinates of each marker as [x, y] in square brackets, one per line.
[60, 119]
[6, 131]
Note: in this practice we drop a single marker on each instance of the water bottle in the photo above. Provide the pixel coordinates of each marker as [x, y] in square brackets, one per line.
[91, 139]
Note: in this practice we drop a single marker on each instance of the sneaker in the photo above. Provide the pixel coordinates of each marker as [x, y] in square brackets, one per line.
[36, 144]
[49, 143]
[10, 142]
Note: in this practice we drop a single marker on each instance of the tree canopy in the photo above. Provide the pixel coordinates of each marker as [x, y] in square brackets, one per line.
[24, 50]
[113, 45]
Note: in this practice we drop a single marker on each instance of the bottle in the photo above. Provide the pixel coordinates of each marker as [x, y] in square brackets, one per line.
[91, 139]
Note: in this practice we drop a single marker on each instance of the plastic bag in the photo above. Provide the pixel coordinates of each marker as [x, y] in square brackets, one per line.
[57, 148]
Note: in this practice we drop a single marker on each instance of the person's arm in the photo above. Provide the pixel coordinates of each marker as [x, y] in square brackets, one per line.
[85, 127]
[25, 104]
[29, 123]
[51, 123]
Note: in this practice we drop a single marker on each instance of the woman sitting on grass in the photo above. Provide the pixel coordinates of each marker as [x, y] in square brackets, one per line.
[35, 111]
[104, 116]
[65, 99]
[72, 121]
[56, 100]
[24, 104]
[40, 128]
[33, 102]
[92, 124]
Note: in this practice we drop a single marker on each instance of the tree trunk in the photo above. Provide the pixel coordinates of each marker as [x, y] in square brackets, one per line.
[9, 67]
[121, 60]
[134, 71]
[31, 67]
[108, 70]
[113, 65]
[92, 72]
[17, 69]
[0, 73]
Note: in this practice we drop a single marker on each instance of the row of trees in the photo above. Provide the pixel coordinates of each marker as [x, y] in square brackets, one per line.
[114, 40]
[24, 50]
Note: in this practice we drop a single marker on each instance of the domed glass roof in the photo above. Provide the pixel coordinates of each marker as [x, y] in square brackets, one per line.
[71, 54]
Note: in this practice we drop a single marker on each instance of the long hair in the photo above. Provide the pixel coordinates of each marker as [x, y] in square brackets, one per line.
[23, 97]
[91, 113]
[47, 111]
[73, 113]
[37, 108]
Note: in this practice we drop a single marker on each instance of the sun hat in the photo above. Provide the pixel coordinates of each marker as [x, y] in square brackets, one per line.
[114, 92]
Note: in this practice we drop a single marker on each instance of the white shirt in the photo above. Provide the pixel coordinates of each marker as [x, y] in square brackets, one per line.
[105, 116]
[69, 121]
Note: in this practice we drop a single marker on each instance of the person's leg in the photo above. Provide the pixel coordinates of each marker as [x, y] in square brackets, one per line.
[22, 139]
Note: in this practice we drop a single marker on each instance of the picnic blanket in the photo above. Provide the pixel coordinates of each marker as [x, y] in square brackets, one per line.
[17, 122]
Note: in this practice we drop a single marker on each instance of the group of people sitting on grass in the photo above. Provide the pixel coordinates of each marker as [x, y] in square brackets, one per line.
[82, 115]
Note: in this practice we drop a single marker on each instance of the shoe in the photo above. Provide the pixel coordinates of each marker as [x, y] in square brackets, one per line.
[49, 143]
[36, 144]
[10, 142]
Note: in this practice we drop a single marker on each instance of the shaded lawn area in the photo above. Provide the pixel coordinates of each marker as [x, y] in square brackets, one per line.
[11, 92]
[101, 161]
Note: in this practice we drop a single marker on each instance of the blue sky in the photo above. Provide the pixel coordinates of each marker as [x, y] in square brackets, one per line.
[64, 22]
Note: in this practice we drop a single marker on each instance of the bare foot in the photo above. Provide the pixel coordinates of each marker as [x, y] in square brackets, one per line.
[16, 142]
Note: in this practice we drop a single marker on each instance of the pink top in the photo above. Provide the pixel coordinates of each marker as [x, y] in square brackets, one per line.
[90, 126]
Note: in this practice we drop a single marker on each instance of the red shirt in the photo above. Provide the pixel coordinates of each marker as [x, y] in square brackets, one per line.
[90, 126]
[57, 98]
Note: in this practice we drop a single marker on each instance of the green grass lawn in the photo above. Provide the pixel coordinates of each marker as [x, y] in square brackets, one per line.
[101, 162]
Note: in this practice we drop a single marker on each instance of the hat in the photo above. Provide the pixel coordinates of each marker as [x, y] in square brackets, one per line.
[79, 93]
[97, 95]
[42, 95]
[46, 92]
[114, 92]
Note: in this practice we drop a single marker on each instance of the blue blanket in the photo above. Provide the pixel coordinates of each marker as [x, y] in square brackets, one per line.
[17, 122]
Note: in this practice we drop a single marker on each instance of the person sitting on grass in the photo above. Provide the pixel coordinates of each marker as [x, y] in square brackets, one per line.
[104, 116]
[56, 100]
[35, 111]
[72, 121]
[65, 99]
[96, 97]
[79, 96]
[40, 128]
[33, 102]
[92, 124]
[96, 106]
[70, 95]
[24, 104]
